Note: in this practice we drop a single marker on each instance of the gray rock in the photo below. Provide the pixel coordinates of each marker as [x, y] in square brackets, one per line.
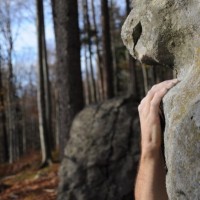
[101, 156]
[167, 33]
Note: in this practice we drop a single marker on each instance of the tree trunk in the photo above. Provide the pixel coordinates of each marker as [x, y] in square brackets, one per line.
[54, 16]
[128, 8]
[47, 86]
[88, 31]
[113, 47]
[88, 89]
[144, 72]
[13, 132]
[69, 83]
[11, 109]
[43, 124]
[132, 66]
[57, 119]
[99, 58]
[24, 144]
[133, 84]
[3, 117]
[107, 52]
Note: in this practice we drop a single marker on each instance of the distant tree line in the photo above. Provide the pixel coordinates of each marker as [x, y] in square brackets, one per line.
[91, 65]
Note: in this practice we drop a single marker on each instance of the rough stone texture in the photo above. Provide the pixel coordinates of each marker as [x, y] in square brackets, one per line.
[167, 33]
[102, 153]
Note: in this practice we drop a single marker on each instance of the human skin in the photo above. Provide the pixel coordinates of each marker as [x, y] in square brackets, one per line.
[150, 181]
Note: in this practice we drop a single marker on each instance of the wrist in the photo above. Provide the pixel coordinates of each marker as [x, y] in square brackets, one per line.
[150, 153]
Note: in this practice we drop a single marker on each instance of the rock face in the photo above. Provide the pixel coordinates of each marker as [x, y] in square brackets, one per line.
[167, 33]
[101, 156]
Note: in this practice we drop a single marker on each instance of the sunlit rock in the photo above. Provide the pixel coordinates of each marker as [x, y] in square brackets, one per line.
[167, 33]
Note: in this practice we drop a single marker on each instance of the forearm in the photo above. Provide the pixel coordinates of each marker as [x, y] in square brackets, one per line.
[150, 182]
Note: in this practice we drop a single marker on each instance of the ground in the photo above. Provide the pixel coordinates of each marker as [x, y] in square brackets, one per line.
[24, 180]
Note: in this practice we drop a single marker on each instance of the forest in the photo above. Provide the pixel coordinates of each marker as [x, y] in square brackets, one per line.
[43, 88]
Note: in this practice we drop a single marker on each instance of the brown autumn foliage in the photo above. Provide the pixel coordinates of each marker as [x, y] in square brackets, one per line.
[25, 181]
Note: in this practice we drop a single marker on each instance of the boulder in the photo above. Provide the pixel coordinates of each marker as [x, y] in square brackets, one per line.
[167, 33]
[101, 156]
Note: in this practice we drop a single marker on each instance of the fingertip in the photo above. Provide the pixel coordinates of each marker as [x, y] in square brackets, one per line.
[175, 80]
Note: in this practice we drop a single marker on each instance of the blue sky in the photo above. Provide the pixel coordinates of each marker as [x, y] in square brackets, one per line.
[24, 32]
[26, 39]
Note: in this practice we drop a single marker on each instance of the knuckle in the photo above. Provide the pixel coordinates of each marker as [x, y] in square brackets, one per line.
[150, 92]
[153, 87]
[156, 94]
[142, 102]
[164, 90]
[140, 108]
[153, 104]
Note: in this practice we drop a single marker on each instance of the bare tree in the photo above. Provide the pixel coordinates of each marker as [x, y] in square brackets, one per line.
[69, 81]
[3, 115]
[88, 88]
[6, 31]
[99, 57]
[10, 19]
[87, 27]
[47, 86]
[132, 66]
[107, 52]
[43, 88]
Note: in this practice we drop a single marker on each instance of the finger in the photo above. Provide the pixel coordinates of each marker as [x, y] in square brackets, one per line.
[165, 84]
[161, 88]
[158, 96]
[146, 102]
[142, 107]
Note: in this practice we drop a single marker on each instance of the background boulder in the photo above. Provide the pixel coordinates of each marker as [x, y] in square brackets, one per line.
[101, 156]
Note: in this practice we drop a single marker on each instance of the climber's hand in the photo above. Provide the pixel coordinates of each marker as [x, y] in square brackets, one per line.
[149, 109]
[150, 181]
